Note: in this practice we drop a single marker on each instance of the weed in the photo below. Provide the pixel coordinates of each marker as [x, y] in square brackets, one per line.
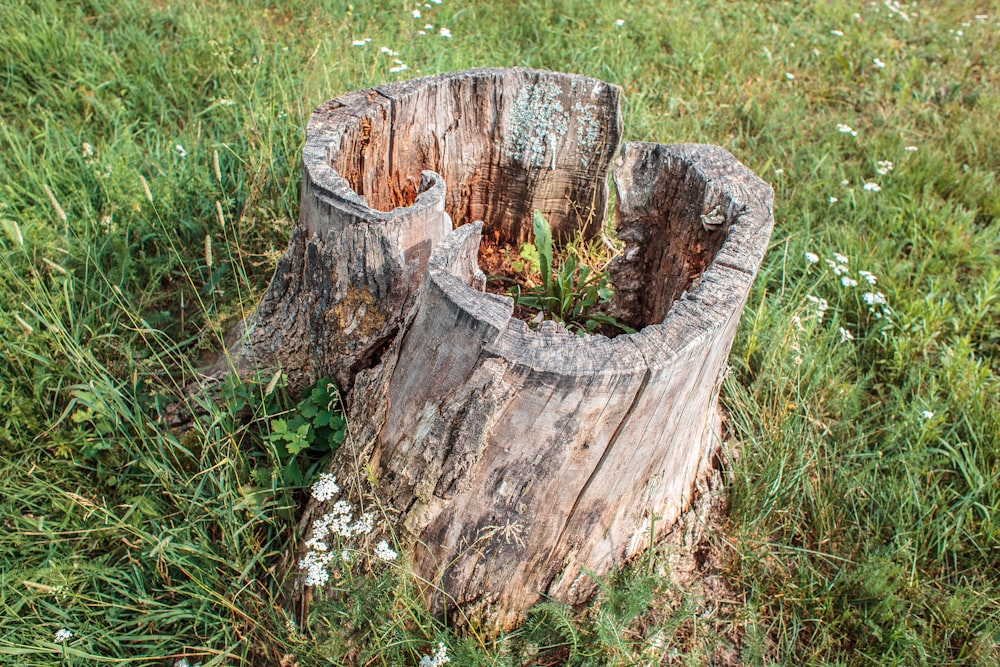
[568, 292]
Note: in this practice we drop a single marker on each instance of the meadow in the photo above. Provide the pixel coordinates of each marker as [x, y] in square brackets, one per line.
[149, 178]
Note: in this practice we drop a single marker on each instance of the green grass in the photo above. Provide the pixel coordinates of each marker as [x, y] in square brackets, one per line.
[864, 523]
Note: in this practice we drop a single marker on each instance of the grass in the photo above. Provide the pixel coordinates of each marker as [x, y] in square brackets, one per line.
[864, 504]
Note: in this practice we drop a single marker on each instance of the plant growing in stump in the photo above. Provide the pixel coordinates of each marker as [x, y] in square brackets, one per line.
[569, 291]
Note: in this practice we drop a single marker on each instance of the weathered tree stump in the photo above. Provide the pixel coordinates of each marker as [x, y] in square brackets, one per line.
[387, 172]
[513, 464]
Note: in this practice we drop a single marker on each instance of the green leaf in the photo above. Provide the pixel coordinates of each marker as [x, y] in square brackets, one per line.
[529, 255]
[543, 242]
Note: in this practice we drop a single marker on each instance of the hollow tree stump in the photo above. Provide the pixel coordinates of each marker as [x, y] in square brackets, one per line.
[512, 464]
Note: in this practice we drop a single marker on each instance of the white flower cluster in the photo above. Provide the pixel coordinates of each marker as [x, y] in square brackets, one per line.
[325, 487]
[63, 635]
[385, 552]
[338, 522]
[846, 129]
[439, 658]
[821, 306]
[314, 563]
[878, 305]
[838, 265]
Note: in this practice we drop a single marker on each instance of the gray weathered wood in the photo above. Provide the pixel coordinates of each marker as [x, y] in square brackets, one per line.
[515, 464]
[512, 464]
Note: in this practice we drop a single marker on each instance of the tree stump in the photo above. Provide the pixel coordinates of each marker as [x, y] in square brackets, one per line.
[513, 464]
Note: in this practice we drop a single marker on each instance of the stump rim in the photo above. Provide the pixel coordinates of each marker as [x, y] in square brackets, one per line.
[708, 306]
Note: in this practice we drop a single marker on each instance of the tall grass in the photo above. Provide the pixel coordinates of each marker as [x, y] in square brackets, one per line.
[149, 160]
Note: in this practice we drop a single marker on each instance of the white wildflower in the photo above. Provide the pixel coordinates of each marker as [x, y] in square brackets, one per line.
[387, 51]
[620, 22]
[837, 33]
[88, 150]
[812, 257]
[181, 150]
[314, 563]
[360, 42]
[345, 556]
[821, 306]
[869, 277]
[833, 200]
[63, 635]
[364, 525]
[846, 129]
[874, 298]
[325, 487]
[841, 258]
[789, 76]
[779, 171]
[397, 68]
[872, 187]
[439, 658]
[883, 167]
[848, 281]
[845, 182]
[909, 149]
[337, 521]
[927, 414]
[415, 13]
[386, 553]
[444, 32]
[316, 544]
[845, 335]
[878, 62]
[428, 26]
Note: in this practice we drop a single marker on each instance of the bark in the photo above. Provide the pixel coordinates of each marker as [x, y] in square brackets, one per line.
[512, 465]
